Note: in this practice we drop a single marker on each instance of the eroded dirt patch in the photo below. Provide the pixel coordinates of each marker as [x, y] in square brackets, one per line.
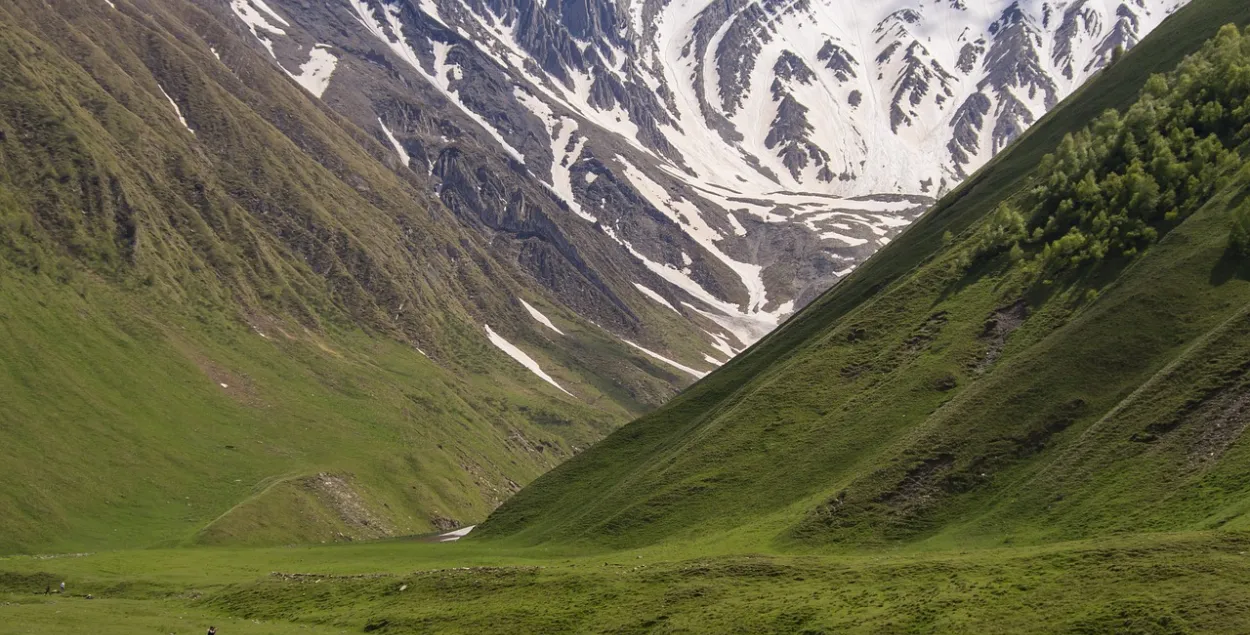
[493, 492]
[1001, 324]
[444, 524]
[238, 386]
[339, 495]
[922, 483]
[923, 336]
[1221, 422]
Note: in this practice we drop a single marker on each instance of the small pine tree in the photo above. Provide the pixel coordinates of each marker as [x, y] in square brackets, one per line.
[1116, 54]
[1016, 254]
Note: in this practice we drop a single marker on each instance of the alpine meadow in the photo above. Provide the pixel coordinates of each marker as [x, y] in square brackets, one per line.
[609, 316]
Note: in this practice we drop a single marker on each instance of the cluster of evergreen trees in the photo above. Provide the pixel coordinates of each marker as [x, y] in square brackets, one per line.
[1113, 188]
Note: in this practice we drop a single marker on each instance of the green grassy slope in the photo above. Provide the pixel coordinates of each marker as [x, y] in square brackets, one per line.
[193, 324]
[172, 424]
[893, 409]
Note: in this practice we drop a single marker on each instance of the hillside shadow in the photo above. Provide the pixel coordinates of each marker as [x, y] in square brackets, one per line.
[1095, 276]
[989, 267]
[1231, 266]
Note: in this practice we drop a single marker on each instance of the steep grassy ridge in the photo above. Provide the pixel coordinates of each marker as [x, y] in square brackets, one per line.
[930, 398]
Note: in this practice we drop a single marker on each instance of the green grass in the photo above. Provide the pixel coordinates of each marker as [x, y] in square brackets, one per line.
[127, 617]
[1160, 584]
[143, 446]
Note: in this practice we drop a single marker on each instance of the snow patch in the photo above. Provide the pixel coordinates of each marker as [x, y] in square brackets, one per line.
[314, 75]
[252, 13]
[453, 536]
[521, 358]
[747, 327]
[565, 156]
[177, 110]
[264, 7]
[720, 343]
[685, 369]
[444, 72]
[561, 131]
[539, 317]
[657, 297]
[690, 219]
[430, 8]
[442, 69]
[850, 240]
[399, 149]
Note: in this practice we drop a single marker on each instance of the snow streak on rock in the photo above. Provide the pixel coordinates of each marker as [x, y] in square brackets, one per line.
[177, 110]
[565, 151]
[539, 317]
[657, 297]
[685, 369]
[399, 149]
[314, 75]
[444, 73]
[521, 358]
[256, 14]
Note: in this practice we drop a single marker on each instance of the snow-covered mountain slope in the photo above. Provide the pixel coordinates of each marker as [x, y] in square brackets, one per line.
[724, 160]
[856, 98]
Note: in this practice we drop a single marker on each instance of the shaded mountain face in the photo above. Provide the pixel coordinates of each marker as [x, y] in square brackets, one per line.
[730, 159]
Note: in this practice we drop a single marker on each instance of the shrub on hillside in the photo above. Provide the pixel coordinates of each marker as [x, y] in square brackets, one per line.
[1113, 188]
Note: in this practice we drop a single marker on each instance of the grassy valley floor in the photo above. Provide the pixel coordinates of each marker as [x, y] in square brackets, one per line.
[1161, 583]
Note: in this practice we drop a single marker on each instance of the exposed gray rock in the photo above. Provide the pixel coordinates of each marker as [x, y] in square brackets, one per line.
[838, 60]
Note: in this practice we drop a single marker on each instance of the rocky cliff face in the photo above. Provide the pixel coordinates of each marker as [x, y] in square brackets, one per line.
[723, 161]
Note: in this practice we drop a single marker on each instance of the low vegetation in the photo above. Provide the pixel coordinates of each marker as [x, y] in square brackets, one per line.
[1156, 585]
[1112, 189]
